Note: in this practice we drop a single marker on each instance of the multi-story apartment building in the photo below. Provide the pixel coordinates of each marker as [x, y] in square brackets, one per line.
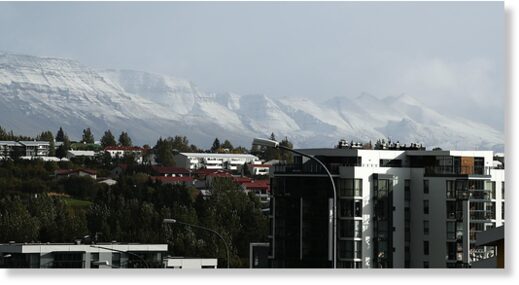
[395, 208]
[230, 161]
[24, 149]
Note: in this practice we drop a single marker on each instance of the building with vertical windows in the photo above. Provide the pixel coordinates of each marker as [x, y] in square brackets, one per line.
[411, 208]
[77, 255]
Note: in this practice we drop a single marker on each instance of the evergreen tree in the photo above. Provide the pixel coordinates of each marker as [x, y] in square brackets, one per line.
[60, 135]
[108, 139]
[62, 149]
[216, 145]
[164, 152]
[88, 137]
[227, 145]
[124, 139]
[286, 155]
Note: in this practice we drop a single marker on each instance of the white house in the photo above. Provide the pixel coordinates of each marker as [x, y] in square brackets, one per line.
[122, 151]
[228, 161]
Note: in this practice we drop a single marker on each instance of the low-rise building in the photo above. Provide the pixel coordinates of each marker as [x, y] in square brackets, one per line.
[75, 172]
[179, 180]
[190, 263]
[230, 161]
[10, 149]
[122, 151]
[81, 153]
[259, 169]
[76, 255]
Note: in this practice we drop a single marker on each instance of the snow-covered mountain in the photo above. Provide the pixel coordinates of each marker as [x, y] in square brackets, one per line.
[39, 93]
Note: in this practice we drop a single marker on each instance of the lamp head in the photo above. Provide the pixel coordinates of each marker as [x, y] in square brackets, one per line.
[169, 221]
[265, 142]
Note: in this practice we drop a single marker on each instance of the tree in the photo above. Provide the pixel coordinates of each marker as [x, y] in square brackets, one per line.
[216, 145]
[124, 139]
[164, 152]
[108, 139]
[227, 145]
[286, 155]
[16, 222]
[63, 148]
[88, 137]
[60, 135]
[47, 136]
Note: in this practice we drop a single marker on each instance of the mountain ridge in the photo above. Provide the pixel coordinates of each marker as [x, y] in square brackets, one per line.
[40, 93]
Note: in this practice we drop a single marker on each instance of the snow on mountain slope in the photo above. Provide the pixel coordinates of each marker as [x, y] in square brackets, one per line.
[38, 93]
[175, 94]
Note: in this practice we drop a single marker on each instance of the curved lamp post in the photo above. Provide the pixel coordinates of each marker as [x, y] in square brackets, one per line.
[173, 221]
[275, 144]
[127, 252]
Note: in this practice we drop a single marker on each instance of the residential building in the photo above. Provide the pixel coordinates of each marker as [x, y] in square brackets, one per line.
[259, 169]
[81, 153]
[193, 161]
[407, 208]
[77, 255]
[190, 263]
[35, 148]
[75, 172]
[122, 151]
[180, 180]
[24, 149]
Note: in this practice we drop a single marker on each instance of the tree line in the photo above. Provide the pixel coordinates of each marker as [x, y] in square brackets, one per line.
[36, 207]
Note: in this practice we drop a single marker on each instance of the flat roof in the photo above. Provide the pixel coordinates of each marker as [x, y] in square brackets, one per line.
[66, 247]
[27, 143]
[356, 152]
[220, 155]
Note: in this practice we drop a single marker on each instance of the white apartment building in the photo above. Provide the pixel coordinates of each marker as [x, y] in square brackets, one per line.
[230, 161]
[76, 255]
[9, 149]
[122, 151]
[395, 208]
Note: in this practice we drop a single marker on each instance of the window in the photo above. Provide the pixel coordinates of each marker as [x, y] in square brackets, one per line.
[390, 163]
[502, 210]
[350, 187]
[451, 251]
[426, 227]
[349, 249]
[407, 189]
[451, 230]
[426, 247]
[451, 209]
[503, 190]
[350, 208]
[451, 194]
[426, 207]
[426, 186]
[426, 264]
[350, 229]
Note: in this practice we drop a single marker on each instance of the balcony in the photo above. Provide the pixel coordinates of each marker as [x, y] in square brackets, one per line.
[307, 168]
[456, 171]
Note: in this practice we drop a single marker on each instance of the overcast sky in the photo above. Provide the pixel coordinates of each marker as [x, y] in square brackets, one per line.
[448, 55]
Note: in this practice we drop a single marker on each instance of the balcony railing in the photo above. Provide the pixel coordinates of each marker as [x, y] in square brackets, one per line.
[461, 170]
[308, 168]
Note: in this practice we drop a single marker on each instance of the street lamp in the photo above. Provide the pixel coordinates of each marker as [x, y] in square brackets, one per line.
[173, 221]
[275, 144]
[127, 252]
